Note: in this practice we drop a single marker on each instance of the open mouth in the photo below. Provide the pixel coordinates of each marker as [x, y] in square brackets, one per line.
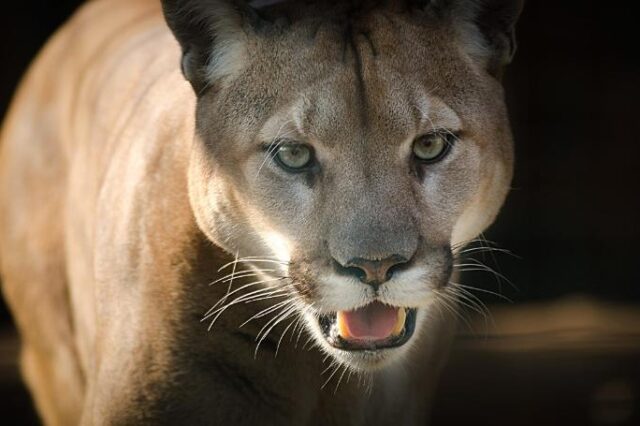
[372, 327]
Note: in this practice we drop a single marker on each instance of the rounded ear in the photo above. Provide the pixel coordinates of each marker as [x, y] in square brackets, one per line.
[488, 29]
[496, 20]
[212, 34]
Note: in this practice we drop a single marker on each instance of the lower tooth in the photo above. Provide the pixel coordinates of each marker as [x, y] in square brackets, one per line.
[402, 316]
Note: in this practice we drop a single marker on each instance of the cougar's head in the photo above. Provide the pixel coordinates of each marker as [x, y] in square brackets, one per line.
[346, 149]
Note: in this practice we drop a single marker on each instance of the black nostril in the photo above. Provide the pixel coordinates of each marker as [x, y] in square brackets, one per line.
[350, 271]
[355, 272]
[372, 272]
[392, 270]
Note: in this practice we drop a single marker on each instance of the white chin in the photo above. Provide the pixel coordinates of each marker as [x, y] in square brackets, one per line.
[368, 360]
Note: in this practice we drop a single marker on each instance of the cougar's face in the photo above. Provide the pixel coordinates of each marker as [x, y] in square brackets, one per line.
[350, 160]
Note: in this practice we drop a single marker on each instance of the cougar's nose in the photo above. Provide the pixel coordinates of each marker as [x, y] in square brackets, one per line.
[372, 272]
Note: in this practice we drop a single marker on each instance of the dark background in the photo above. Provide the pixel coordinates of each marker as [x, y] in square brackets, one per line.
[572, 215]
[573, 212]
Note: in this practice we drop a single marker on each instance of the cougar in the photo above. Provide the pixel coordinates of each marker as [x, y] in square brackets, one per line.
[250, 215]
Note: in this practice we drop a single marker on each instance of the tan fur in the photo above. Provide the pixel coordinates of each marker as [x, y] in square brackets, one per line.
[117, 210]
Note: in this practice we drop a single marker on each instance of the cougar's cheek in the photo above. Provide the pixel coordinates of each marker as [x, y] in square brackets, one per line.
[279, 245]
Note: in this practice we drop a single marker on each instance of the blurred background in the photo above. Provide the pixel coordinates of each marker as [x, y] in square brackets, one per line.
[562, 343]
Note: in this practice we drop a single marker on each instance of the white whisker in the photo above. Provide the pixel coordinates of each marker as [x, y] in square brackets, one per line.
[224, 298]
[241, 274]
[252, 259]
[282, 336]
[340, 379]
[250, 297]
[266, 312]
[283, 316]
[335, 370]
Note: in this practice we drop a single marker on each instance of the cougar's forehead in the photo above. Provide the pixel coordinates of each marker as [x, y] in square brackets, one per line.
[381, 74]
[339, 121]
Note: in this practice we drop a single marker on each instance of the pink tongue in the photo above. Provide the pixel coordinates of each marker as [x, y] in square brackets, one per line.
[375, 321]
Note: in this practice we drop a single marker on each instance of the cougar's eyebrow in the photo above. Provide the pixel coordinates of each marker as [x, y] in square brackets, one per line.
[432, 112]
[301, 113]
[304, 116]
[300, 117]
[288, 123]
[422, 108]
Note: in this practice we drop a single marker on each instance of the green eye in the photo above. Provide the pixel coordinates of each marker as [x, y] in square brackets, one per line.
[431, 147]
[294, 156]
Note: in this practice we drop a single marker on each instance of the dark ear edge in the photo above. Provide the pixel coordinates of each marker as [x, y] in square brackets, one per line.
[192, 31]
[496, 20]
[492, 38]
[206, 30]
